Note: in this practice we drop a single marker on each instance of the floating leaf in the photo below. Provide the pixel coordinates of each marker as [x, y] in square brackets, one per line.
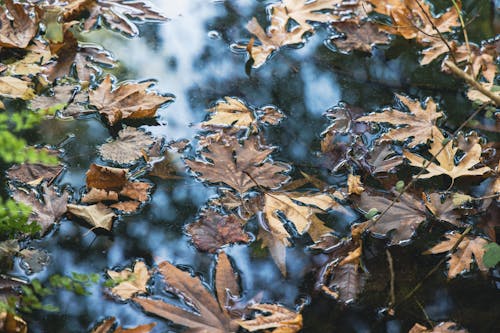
[443, 327]
[279, 317]
[34, 173]
[13, 87]
[18, 31]
[461, 259]
[128, 100]
[358, 36]
[129, 146]
[109, 324]
[130, 282]
[99, 215]
[442, 210]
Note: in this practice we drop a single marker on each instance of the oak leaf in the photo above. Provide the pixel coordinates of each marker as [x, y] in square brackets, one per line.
[205, 313]
[213, 230]
[419, 124]
[98, 215]
[461, 259]
[128, 100]
[130, 282]
[128, 147]
[400, 222]
[240, 166]
[445, 158]
[109, 326]
[18, 31]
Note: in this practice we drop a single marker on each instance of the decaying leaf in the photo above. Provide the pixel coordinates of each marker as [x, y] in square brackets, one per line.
[446, 160]
[279, 317]
[18, 31]
[461, 260]
[354, 185]
[117, 14]
[297, 208]
[44, 213]
[205, 313]
[281, 33]
[213, 230]
[109, 184]
[98, 215]
[34, 173]
[128, 100]
[128, 147]
[130, 282]
[400, 222]
[442, 210]
[13, 87]
[240, 166]
[358, 36]
[384, 159]
[414, 19]
[67, 100]
[109, 326]
[443, 327]
[37, 55]
[419, 124]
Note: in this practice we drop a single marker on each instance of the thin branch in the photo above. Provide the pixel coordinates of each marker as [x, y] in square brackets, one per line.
[392, 294]
[466, 37]
[471, 81]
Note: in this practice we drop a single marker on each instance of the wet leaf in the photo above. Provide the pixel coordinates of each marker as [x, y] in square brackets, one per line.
[205, 313]
[109, 326]
[230, 112]
[443, 327]
[34, 174]
[212, 231]
[37, 56]
[400, 222]
[10, 323]
[461, 259]
[68, 100]
[18, 31]
[414, 19]
[34, 260]
[358, 36]
[128, 147]
[128, 100]
[279, 317]
[442, 210]
[98, 215]
[13, 87]
[446, 160]
[240, 166]
[419, 124]
[384, 159]
[130, 282]
[44, 213]
[354, 185]
[492, 255]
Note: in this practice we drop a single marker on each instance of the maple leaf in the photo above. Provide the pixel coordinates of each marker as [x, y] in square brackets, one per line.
[206, 313]
[413, 19]
[240, 166]
[461, 259]
[383, 158]
[230, 112]
[37, 55]
[212, 231]
[358, 36]
[419, 124]
[109, 326]
[443, 327]
[302, 13]
[65, 100]
[445, 158]
[128, 147]
[44, 213]
[400, 222]
[117, 14]
[281, 318]
[18, 31]
[130, 282]
[128, 100]
[98, 215]
[299, 209]
[13, 87]
[443, 210]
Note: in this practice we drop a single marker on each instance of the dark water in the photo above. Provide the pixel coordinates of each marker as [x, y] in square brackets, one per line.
[191, 57]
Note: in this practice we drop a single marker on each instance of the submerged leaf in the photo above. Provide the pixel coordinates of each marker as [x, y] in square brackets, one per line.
[281, 318]
[128, 147]
[13, 87]
[130, 282]
[18, 31]
[109, 324]
[99, 215]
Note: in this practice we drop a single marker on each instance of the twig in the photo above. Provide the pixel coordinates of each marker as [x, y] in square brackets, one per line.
[425, 313]
[436, 267]
[466, 37]
[471, 81]
[392, 295]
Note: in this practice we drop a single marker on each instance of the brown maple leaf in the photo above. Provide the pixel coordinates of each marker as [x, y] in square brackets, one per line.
[461, 259]
[279, 317]
[213, 230]
[128, 100]
[445, 158]
[109, 326]
[18, 31]
[400, 222]
[443, 327]
[414, 19]
[240, 166]
[442, 210]
[419, 124]
[128, 147]
[360, 37]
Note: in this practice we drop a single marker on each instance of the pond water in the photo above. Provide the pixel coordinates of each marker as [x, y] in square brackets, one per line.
[191, 57]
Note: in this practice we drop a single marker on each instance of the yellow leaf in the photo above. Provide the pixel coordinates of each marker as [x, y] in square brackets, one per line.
[130, 282]
[15, 88]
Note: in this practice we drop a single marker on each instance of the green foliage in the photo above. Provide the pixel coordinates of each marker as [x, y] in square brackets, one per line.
[492, 256]
[14, 220]
[77, 283]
